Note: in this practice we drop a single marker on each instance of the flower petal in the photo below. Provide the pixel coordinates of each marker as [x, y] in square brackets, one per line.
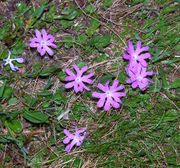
[70, 73]
[114, 85]
[84, 86]
[41, 50]
[126, 56]
[143, 49]
[145, 56]
[102, 87]
[50, 38]
[34, 43]
[66, 140]
[38, 34]
[138, 45]
[44, 34]
[128, 81]
[51, 44]
[19, 60]
[97, 95]
[114, 103]
[13, 67]
[119, 94]
[69, 85]
[76, 68]
[130, 48]
[107, 106]
[84, 69]
[70, 146]
[150, 73]
[49, 51]
[77, 88]
[69, 78]
[68, 134]
[101, 102]
[134, 84]
[143, 62]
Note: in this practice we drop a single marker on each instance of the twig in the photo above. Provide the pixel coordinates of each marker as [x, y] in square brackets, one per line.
[104, 62]
[165, 96]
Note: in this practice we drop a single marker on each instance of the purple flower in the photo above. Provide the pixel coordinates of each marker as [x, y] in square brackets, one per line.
[111, 95]
[137, 56]
[77, 80]
[43, 42]
[75, 139]
[9, 61]
[138, 76]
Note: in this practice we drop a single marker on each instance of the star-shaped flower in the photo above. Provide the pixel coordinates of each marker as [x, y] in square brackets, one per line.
[9, 61]
[139, 55]
[111, 95]
[138, 76]
[43, 42]
[77, 80]
[75, 139]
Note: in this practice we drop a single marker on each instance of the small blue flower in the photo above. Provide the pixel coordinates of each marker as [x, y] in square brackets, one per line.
[8, 60]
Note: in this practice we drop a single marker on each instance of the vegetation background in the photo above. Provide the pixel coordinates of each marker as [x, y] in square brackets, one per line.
[143, 133]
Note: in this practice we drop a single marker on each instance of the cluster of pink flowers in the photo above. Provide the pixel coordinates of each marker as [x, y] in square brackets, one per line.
[110, 93]
[137, 67]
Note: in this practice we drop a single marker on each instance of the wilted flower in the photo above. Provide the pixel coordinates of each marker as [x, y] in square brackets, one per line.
[111, 95]
[43, 42]
[77, 80]
[9, 61]
[75, 139]
[138, 76]
[137, 56]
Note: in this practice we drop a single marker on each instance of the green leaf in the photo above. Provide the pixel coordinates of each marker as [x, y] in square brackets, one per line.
[175, 84]
[93, 27]
[70, 13]
[171, 115]
[49, 71]
[122, 77]
[35, 117]
[101, 41]
[81, 64]
[5, 138]
[61, 75]
[106, 77]
[101, 57]
[59, 97]
[68, 41]
[18, 47]
[90, 9]
[38, 12]
[66, 23]
[107, 3]
[82, 38]
[15, 126]
[2, 89]
[29, 100]
[12, 101]
[5, 91]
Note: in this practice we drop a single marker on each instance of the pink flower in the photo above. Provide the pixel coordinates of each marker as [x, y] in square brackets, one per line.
[138, 76]
[43, 42]
[77, 80]
[139, 55]
[75, 139]
[111, 95]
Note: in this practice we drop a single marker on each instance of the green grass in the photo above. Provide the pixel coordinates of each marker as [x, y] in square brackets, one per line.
[143, 133]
